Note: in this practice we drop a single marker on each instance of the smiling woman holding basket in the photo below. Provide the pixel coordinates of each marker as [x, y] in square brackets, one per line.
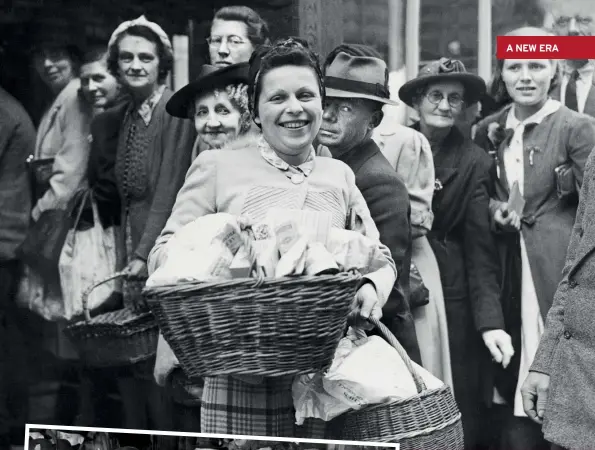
[249, 178]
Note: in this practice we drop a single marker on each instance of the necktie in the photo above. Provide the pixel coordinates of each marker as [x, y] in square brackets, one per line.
[571, 100]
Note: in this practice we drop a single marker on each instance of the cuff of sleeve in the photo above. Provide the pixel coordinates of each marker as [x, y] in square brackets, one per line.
[422, 219]
[383, 280]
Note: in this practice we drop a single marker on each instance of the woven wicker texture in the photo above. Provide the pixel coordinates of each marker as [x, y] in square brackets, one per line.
[268, 327]
[117, 338]
[429, 420]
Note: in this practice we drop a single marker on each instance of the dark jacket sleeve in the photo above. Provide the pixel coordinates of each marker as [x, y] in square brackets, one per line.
[101, 169]
[482, 262]
[177, 140]
[388, 201]
[17, 142]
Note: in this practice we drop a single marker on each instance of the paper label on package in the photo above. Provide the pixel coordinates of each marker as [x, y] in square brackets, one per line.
[230, 238]
[314, 225]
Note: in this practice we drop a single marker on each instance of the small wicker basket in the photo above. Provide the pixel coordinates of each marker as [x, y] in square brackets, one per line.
[428, 421]
[117, 338]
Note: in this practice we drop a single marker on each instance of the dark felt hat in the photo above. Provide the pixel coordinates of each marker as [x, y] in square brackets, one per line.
[444, 69]
[211, 77]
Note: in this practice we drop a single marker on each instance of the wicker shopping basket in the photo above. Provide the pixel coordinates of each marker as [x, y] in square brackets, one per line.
[428, 421]
[254, 326]
[118, 338]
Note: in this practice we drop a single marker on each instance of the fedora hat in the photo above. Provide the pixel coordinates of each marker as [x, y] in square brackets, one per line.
[210, 77]
[357, 77]
[444, 69]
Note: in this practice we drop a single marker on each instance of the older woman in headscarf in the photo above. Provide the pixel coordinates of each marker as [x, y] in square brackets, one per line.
[461, 236]
[540, 147]
[147, 152]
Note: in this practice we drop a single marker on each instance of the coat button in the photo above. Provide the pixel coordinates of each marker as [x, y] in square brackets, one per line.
[572, 284]
[580, 231]
[567, 334]
[297, 178]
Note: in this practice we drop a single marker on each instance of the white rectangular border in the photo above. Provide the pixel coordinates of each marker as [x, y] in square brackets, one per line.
[29, 426]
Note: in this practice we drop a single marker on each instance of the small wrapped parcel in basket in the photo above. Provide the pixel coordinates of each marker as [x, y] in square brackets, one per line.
[259, 317]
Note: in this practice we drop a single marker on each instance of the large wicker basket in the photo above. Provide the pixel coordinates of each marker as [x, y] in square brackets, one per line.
[117, 338]
[268, 327]
[428, 421]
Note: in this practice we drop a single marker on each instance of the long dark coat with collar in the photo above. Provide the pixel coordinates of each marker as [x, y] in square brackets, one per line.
[467, 257]
[562, 137]
[388, 202]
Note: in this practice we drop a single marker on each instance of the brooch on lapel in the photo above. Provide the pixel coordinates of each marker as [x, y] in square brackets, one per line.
[437, 185]
[532, 151]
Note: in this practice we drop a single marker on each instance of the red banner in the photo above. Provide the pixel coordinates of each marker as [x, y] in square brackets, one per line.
[545, 47]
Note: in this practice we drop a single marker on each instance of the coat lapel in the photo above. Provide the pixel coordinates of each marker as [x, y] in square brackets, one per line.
[46, 125]
[590, 103]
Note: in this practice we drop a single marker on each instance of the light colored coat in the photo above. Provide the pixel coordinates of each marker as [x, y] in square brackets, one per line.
[230, 179]
[63, 134]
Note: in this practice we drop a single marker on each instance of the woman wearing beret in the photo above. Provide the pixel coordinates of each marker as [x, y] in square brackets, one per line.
[147, 152]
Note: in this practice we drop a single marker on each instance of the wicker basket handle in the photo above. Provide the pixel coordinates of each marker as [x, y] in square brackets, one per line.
[392, 340]
[88, 291]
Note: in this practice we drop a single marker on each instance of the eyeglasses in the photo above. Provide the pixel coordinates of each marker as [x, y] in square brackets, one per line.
[564, 21]
[454, 100]
[231, 41]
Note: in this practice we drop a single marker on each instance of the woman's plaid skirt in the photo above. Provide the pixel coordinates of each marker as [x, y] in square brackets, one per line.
[232, 406]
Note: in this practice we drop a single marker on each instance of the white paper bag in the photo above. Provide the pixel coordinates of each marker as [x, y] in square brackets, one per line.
[87, 257]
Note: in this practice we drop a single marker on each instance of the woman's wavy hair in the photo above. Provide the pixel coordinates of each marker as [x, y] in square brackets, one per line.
[496, 87]
[286, 52]
[238, 97]
[258, 29]
[166, 60]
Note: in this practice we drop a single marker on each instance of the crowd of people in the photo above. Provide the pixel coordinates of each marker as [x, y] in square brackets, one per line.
[496, 224]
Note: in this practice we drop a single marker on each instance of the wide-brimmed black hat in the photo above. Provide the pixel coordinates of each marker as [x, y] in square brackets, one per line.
[210, 77]
[444, 69]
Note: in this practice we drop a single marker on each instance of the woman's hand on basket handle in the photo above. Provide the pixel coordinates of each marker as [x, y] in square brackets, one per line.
[499, 344]
[534, 393]
[365, 305]
[136, 269]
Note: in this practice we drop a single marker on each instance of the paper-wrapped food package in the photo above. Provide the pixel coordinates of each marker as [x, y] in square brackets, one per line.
[200, 251]
[353, 250]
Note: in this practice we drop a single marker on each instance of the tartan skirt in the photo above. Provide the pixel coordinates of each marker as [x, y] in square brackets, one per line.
[232, 406]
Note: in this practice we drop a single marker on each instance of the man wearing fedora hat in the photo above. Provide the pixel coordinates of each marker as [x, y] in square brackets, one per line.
[356, 91]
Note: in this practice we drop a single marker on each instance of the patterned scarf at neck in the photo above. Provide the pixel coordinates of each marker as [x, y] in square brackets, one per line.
[296, 174]
[145, 109]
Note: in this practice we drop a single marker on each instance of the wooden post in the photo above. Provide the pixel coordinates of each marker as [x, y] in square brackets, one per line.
[484, 39]
[321, 24]
[412, 31]
[395, 37]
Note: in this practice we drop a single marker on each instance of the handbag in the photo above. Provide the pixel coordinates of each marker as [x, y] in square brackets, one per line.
[44, 241]
[419, 293]
[40, 172]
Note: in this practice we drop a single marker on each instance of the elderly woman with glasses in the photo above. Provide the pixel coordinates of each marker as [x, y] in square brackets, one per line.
[461, 237]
